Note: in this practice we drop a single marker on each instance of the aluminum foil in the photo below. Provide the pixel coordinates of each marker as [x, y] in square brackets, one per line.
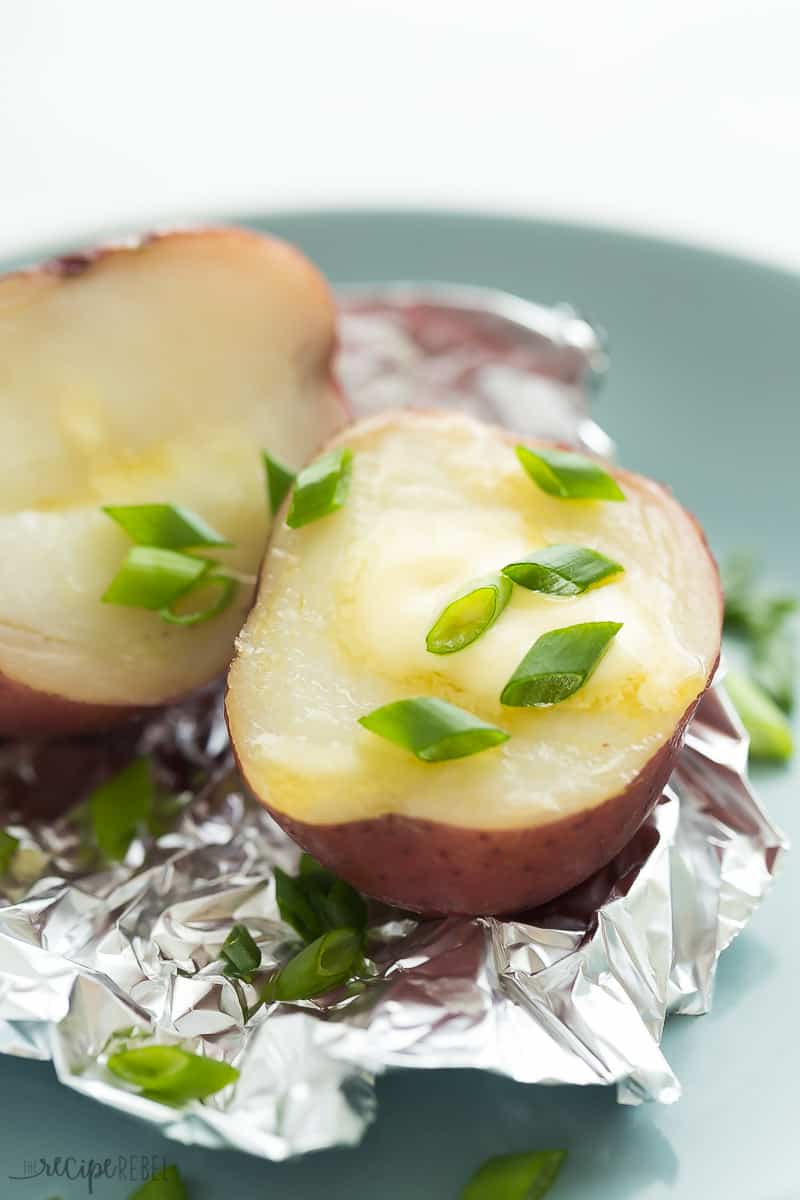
[96, 956]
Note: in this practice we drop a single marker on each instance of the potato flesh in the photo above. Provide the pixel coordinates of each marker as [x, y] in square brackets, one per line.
[345, 606]
[155, 376]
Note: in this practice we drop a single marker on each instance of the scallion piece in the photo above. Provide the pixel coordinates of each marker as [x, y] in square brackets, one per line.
[170, 1074]
[515, 1176]
[342, 905]
[8, 848]
[469, 614]
[558, 664]
[121, 806]
[743, 603]
[295, 907]
[167, 526]
[568, 475]
[308, 865]
[164, 1185]
[762, 618]
[317, 902]
[166, 810]
[432, 729]
[279, 481]
[321, 488]
[562, 570]
[154, 578]
[228, 588]
[241, 954]
[750, 609]
[775, 665]
[770, 733]
[325, 964]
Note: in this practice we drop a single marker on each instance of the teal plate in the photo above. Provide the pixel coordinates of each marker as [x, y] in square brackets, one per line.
[704, 392]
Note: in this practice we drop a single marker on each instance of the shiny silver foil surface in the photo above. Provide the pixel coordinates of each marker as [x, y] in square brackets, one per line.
[95, 956]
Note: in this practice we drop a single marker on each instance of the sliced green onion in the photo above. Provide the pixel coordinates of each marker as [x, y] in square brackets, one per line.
[762, 618]
[770, 734]
[295, 907]
[317, 902]
[309, 866]
[166, 810]
[775, 665]
[469, 614]
[321, 488]
[325, 964]
[279, 481]
[738, 574]
[763, 614]
[228, 588]
[241, 954]
[153, 578]
[8, 848]
[167, 526]
[515, 1176]
[562, 570]
[166, 1184]
[342, 906]
[432, 729]
[119, 807]
[558, 664]
[568, 475]
[749, 608]
[170, 1074]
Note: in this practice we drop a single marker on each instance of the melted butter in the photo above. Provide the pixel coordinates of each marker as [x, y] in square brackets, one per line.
[114, 473]
[82, 420]
[165, 470]
[397, 578]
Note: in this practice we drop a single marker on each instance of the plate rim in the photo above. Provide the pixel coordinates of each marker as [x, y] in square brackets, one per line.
[41, 251]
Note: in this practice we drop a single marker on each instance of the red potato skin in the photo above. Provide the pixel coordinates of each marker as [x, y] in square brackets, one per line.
[433, 868]
[430, 867]
[24, 711]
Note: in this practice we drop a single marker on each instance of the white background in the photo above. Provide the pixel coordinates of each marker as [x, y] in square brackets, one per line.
[680, 117]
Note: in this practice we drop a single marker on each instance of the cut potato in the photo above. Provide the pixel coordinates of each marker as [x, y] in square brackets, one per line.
[136, 374]
[339, 628]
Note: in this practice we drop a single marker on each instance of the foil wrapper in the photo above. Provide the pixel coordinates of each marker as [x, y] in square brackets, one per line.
[94, 956]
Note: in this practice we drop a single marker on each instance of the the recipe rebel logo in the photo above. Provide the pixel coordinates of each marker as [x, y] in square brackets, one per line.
[130, 1168]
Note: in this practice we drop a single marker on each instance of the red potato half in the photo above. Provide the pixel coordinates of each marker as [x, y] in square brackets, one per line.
[339, 628]
[153, 372]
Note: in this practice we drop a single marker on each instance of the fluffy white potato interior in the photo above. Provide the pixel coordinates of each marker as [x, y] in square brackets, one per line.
[345, 605]
[154, 375]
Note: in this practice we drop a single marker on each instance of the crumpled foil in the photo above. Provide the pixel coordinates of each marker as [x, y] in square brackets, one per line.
[94, 956]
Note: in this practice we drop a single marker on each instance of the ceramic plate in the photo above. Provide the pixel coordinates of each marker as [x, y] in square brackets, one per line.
[704, 392]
